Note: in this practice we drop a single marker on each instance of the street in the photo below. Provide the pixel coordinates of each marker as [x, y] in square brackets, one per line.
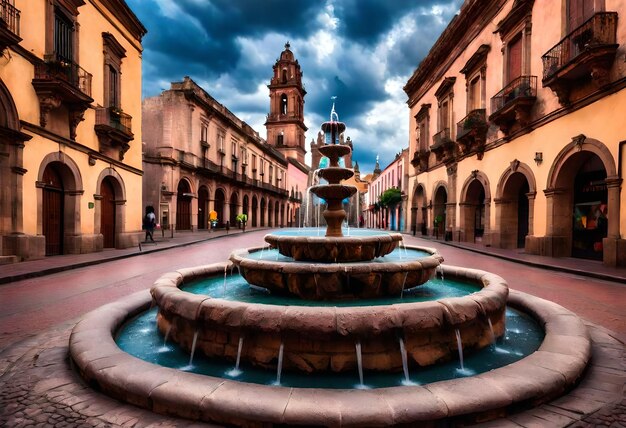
[29, 306]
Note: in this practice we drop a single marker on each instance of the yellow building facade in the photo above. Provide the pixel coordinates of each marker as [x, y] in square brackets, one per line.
[70, 134]
[515, 137]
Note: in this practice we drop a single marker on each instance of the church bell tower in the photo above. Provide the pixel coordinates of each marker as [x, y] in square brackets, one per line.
[285, 122]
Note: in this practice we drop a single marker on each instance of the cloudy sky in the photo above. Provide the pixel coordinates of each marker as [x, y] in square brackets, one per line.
[362, 51]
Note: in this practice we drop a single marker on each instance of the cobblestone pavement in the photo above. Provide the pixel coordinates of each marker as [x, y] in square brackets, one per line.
[38, 386]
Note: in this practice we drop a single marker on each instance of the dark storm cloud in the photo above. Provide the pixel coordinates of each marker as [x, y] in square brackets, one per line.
[366, 20]
[347, 48]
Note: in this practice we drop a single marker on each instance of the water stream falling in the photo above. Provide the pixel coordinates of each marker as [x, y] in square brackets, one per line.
[193, 347]
[224, 287]
[459, 345]
[405, 363]
[279, 368]
[403, 285]
[359, 362]
[236, 372]
[167, 334]
[493, 336]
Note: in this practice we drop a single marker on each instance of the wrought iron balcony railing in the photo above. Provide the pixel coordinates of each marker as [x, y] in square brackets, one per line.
[599, 30]
[521, 87]
[58, 68]
[441, 139]
[10, 16]
[475, 121]
[114, 118]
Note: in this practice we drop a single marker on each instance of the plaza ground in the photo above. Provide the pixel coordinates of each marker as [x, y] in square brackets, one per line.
[41, 300]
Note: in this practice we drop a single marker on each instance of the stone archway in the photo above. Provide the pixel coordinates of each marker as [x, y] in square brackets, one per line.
[219, 201]
[255, 211]
[203, 207]
[67, 183]
[582, 200]
[439, 205]
[183, 205]
[234, 207]
[475, 209]
[419, 210]
[110, 212]
[514, 203]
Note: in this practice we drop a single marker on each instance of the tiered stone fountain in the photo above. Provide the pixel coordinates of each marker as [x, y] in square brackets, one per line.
[335, 267]
[327, 337]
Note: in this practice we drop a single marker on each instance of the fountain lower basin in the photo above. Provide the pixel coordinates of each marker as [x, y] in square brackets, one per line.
[322, 338]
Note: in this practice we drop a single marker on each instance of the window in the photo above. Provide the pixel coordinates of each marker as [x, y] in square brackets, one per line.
[113, 55]
[63, 36]
[283, 104]
[475, 100]
[514, 58]
[578, 11]
[422, 119]
[220, 142]
[445, 95]
[204, 131]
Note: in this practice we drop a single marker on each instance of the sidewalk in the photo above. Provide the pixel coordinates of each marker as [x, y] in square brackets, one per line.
[582, 267]
[163, 241]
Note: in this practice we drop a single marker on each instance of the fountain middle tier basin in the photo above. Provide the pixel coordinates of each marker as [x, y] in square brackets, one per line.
[337, 281]
[335, 249]
[322, 338]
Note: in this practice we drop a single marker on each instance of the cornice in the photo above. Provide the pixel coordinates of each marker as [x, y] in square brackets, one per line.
[474, 16]
[125, 15]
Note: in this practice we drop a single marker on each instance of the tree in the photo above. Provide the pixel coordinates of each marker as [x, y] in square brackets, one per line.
[390, 197]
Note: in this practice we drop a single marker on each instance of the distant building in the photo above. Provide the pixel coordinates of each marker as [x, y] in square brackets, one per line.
[513, 139]
[70, 157]
[393, 176]
[199, 157]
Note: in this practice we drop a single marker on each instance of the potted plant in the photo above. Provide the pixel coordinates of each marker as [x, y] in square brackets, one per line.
[242, 219]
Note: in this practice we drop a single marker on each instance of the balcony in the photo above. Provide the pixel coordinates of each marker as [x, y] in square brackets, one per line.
[514, 102]
[472, 132]
[420, 160]
[443, 146]
[587, 52]
[59, 81]
[9, 25]
[114, 130]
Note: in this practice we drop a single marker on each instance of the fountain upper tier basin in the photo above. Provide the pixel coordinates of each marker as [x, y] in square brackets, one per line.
[362, 247]
[337, 281]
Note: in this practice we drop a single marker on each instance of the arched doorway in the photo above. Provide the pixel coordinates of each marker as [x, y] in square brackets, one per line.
[233, 204]
[220, 199]
[107, 212]
[183, 206]
[419, 212]
[262, 212]
[590, 206]
[473, 212]
[255, 206]
[514, 211]
[53, 209]
[203, 207]
[270, 213]
[439, 212]
[245, 206]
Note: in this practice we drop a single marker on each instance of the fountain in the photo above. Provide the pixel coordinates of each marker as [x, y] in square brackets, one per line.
[338, 322]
